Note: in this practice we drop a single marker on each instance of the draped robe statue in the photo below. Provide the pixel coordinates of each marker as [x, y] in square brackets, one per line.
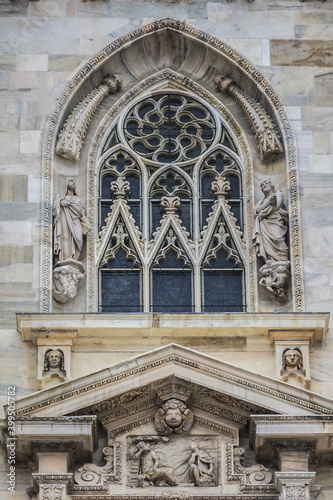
[70, 223]
[270, 225]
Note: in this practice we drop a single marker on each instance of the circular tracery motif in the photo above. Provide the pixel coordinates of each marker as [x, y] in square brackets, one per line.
[169, 128]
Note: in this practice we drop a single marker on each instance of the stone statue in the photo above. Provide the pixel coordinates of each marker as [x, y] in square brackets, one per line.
[292, 361]
[69, 223]
[275, 284]
[201, 471]
[54, 361]
[151, 473]
[270, 224]
[174, 416]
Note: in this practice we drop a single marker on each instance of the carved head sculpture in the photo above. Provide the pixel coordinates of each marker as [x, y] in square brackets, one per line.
[267, 186]
[70, 186]
[292, 360]
[174, 416]
[54, 360]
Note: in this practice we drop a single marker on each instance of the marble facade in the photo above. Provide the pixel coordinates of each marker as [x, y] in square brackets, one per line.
[261, 425]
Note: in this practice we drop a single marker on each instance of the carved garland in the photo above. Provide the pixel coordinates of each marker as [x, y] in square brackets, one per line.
[78, 80]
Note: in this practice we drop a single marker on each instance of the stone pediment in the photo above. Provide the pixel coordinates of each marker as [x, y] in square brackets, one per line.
[139, 384]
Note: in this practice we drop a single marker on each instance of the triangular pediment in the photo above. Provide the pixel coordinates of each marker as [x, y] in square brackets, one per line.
[208, 384]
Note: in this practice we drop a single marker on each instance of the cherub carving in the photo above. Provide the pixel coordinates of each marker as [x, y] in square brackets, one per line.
[174, 416]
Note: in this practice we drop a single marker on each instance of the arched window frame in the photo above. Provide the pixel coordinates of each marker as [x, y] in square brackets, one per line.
[193, 181]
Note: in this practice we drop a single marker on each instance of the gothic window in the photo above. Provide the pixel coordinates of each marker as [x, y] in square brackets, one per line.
[171, 211]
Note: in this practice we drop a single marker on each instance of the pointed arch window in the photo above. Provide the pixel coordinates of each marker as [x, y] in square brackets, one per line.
[171, 211]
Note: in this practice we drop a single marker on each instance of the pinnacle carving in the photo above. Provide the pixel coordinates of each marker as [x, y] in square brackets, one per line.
[72, 134]
[266, 132]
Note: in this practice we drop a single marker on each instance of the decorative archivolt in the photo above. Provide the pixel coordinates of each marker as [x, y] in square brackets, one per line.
[223, 51]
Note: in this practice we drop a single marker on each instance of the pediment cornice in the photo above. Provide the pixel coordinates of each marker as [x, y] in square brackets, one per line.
[150, 369]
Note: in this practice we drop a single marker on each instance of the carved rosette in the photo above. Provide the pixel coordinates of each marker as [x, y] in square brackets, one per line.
[66, 278]
[266, 132]
[71, 136]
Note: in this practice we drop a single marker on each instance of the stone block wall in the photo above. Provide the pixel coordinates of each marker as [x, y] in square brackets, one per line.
[42, 45]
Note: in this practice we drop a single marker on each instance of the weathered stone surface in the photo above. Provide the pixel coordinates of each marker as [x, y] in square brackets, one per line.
[301, 53]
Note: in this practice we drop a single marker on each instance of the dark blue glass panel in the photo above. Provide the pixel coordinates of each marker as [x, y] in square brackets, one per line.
[222, 261]
[120, 291]
[206, 184]
[185, 215]
[105, 209]
[135, 211]
[236, 210]
[120, 262]
[234, 185]
[170, 261]
[135, 186]
[223, 291]
[206, 208]
[156, 215]
[106, 182]
[172, 291]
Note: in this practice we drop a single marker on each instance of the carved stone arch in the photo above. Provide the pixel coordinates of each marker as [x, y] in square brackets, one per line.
[204, 58]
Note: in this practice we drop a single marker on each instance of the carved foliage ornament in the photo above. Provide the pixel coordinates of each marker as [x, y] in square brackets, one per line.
[266, 132]
[71, 136]
[173, 417]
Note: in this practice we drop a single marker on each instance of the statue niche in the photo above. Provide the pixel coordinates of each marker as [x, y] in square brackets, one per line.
[173, 417]
[69, 226]
[270, 229]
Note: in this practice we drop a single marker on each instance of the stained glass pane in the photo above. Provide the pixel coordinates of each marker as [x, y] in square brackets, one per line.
[223, 291]
[171, 261]
[135, 186]
[120, 291]
[172, 291]
[206, 185]
[136, 212]
[236, 210]
[206, 208]
[234, 185]
[120, 261]
[106, 182]
[222, 261]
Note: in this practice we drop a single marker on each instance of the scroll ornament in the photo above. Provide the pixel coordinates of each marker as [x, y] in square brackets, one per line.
[266, 132]
[91, 474]
[71, 136]
[256, 474]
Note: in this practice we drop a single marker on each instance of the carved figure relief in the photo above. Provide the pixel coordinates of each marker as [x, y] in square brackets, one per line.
[270, 228]
[91, 474]
[173, 416]
[54, 361]
[256, 474]
[150, 472]
[293, 366]
[69, 226]
[201, 471]
[164, 461]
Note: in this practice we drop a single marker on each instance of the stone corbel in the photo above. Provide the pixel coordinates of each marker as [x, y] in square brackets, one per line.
[289, 346]
[296, 486]
[50, 372]
[71, 136]
[266, 132]
[51, 486]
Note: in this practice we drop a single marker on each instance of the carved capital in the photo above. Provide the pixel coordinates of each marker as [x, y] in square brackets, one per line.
[296, 486]
[170, 204]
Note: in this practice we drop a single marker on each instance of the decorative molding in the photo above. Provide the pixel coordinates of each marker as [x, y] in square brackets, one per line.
[268, 137]
[255, 474]
[182, 361]
[72, 134]
[91, 474]
[221, 412]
